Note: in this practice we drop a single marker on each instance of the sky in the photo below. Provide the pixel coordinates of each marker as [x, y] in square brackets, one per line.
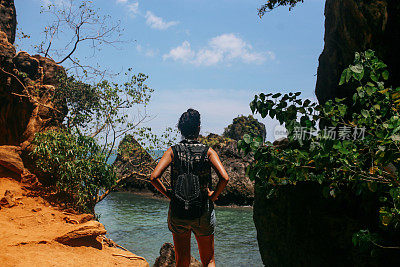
[211, 55]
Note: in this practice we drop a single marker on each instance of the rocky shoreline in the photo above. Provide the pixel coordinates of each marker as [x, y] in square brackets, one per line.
[134, 165]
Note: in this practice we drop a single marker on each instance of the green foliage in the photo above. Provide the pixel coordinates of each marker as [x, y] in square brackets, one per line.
[271, 4]
[356, 145]
[102, 103]
[77, 165]
[244, 125]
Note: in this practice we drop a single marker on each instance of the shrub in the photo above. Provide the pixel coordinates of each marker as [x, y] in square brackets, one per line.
[335, 143]
[77, 165]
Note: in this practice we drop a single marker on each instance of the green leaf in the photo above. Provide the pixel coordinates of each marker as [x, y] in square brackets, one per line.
[385, 75]
[246, 138]
[359, 76]
[276, 95]
[365, 113]
[357, 68]
[342, 109]
[343, 77]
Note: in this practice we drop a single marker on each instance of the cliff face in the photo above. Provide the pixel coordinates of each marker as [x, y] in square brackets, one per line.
[355, 26]
[26, 86]
[35, 229]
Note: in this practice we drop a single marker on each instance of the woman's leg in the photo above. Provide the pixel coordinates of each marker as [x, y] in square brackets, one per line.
[206, 250]
[182, 249]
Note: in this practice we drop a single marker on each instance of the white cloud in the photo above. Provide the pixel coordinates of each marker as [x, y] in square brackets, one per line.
[218, 107]
[222, 48]
[121, 1]
[157, 22]
[133, 8]
[183, 53]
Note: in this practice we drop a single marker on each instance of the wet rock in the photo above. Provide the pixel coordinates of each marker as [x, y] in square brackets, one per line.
[167, 257]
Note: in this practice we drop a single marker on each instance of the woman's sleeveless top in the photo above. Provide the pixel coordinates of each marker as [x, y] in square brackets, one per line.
[198, 161]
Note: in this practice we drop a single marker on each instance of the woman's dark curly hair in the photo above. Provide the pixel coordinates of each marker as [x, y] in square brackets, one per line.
[189, 124]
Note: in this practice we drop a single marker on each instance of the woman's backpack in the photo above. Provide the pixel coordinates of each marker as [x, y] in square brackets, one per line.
[188, 198]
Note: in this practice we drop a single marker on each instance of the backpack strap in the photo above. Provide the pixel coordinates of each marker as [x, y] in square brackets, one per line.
[203, 156]
[177, 164]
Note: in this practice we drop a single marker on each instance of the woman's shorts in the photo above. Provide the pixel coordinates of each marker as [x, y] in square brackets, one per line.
[203, 226]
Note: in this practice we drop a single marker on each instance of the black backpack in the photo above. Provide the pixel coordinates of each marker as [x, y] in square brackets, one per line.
[188, 199]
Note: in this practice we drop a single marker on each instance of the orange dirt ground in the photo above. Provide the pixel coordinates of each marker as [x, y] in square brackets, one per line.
[29, 228]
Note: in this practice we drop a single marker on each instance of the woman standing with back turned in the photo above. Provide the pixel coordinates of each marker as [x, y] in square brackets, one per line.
[192, 199]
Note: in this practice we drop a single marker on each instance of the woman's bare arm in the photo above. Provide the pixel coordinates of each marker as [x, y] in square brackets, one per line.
[220, 170]
[162, 165]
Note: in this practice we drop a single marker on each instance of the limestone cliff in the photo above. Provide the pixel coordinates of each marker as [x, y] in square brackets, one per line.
[355, 26]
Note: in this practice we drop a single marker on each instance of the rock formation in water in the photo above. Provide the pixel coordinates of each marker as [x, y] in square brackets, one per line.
[355, 26]
[240, 189]
[167, 257]
[242, 125]
[134, 165]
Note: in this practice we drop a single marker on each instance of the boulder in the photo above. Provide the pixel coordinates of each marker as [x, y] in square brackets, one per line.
[355, 26]
[89, 231]
[167, 257]
[298, 226]
[10, 158]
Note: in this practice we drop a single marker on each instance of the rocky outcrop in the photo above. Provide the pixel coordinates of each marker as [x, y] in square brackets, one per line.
[26, 87]
[134, 165]
[38, 232]
[86, 232]
[167, 257]
[355, 26]
[242, 125]
[240, 189]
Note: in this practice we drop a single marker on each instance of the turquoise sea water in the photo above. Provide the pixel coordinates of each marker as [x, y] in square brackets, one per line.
[139, 224]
